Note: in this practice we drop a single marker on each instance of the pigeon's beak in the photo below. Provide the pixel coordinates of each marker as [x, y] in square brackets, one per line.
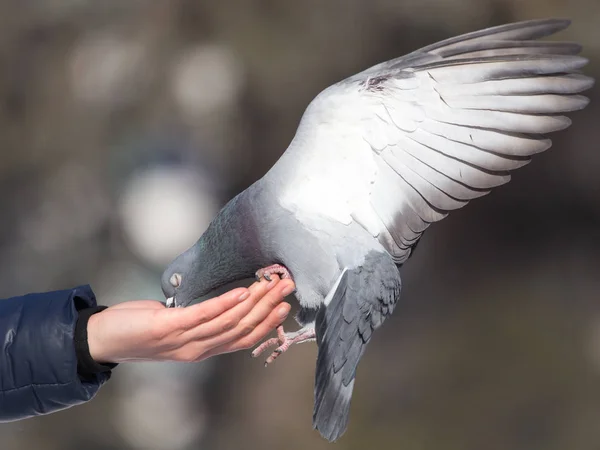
[171, 302]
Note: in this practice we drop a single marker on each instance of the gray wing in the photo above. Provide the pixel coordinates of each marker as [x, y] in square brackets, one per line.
[501, 91]
[400, 145]
[514, 38]
[361, 300]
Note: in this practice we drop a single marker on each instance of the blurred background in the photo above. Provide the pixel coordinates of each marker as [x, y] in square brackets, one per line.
[126, 125]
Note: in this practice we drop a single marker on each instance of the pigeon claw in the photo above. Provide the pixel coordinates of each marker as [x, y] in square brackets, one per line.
[278, 269]
[285, 341]
[279, 340]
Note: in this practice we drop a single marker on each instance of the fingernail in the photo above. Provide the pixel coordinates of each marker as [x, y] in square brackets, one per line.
[271, 284]
[244, 296]
[283, 312]
[287, 290]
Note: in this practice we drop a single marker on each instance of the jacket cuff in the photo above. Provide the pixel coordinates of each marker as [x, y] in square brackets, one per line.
[87, 367]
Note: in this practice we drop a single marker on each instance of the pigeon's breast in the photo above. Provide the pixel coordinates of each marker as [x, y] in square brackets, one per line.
[315, 250]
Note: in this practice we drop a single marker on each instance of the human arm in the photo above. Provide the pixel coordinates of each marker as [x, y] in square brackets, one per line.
[39, 371]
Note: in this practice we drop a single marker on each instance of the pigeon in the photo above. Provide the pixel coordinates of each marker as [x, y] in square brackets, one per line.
[376, 159]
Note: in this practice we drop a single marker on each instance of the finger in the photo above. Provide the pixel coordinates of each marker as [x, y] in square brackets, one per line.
[231, 318]
[192, 343]
[273, 320]
[267, 304]
[192, 316]
[257, 315]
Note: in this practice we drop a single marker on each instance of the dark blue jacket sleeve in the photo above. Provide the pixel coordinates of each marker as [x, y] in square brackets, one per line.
[38, 363]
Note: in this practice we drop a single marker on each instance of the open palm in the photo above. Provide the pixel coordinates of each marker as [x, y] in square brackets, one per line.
[145, 330]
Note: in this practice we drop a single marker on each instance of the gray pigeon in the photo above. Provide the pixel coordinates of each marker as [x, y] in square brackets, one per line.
[376, 159]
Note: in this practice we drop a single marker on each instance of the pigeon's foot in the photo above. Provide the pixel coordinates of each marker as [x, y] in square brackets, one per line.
[285, 341]
[274, 269]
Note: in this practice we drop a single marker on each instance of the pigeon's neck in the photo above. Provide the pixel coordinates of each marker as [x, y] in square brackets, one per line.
[230, 249]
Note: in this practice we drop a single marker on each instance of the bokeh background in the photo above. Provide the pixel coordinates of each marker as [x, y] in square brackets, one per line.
[125, 125]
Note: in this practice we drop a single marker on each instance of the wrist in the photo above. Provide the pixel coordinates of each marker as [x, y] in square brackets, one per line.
[96, 347]
[91, 356]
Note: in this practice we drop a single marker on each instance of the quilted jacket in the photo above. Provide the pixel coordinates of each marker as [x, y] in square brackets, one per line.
[38, 362]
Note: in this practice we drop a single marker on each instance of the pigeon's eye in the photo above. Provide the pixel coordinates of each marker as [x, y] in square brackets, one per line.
[175, 280]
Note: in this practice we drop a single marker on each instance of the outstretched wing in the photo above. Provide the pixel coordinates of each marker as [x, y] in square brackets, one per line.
[398, 146]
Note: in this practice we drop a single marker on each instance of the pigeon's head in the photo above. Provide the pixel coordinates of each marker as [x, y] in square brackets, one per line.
[215, 260]
[182, 281]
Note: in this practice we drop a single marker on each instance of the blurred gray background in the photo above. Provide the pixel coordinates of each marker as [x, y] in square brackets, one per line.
[125, 125]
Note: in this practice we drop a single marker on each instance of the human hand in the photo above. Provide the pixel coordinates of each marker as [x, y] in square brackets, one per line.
[146, 330]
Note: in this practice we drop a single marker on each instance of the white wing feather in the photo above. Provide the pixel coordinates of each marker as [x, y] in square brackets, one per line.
[401, 144]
